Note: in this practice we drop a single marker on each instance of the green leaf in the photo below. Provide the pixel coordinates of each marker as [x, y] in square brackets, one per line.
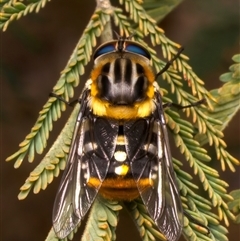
[52, 109]
[53, 161]
[234, 205]
[12, 10]
[160, 9]
[102, 222]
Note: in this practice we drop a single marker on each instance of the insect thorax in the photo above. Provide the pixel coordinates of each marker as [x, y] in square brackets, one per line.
[122, 86]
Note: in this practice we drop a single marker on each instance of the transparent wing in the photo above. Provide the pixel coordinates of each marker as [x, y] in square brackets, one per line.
[88, 159]
[64, 217]
[163, 199]
[152, 160]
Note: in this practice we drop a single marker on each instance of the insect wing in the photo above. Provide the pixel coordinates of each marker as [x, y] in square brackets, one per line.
[65, 219]
[168, 213]
[148, 149]
[88, 158]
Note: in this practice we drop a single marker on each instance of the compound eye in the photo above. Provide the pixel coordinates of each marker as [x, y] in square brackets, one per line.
[137, 49]
[105, 49]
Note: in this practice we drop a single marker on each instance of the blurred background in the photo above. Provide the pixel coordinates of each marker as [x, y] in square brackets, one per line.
[33, 52]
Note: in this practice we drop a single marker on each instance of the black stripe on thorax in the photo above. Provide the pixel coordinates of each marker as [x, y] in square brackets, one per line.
[106, 68]
[122, 81]
[117, 71]
[122, 70]
[128, 71]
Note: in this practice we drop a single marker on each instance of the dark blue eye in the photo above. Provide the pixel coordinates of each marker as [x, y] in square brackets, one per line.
[121, 46]
[104, 50]
[134, 48]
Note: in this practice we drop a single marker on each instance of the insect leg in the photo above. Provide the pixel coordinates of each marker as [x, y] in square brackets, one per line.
[180, 107]
[169, 63]
[71, 103]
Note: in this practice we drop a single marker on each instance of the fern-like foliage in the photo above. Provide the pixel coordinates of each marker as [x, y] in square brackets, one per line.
[210, 120]
[226, 103]
[13, 10]
[105, 212]
[234, 205]
[36, 141]
[146, 227]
